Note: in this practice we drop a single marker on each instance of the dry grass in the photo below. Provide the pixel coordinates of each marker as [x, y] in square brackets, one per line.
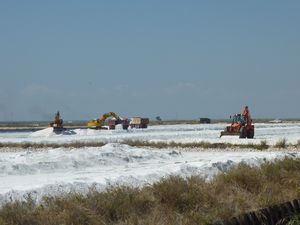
[172, 144]
[281, 143]
[201, 145]
[263, 145]
[295, 220]
[297, 144]
[160, 145]
[27, 145]
[173, 200]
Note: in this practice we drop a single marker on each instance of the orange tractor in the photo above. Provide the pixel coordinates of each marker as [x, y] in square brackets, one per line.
[241, 124]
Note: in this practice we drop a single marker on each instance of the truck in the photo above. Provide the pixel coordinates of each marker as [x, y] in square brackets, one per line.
[139, 122]
[113, 122]
[205, 120]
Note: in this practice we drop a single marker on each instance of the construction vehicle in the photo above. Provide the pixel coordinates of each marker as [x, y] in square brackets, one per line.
[113, 122]
[57, 123]
[138, 122]
[241, 124]
[205, 120]
[99, 123]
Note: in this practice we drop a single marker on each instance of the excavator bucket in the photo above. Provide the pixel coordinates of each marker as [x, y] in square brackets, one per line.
[227, 133]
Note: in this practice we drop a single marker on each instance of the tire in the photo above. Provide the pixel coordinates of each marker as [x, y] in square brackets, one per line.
[250, 133]
[243, 132]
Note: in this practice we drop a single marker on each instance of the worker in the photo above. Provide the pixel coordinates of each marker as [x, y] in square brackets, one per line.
[246, 116]
[57, 117]
[246, 111]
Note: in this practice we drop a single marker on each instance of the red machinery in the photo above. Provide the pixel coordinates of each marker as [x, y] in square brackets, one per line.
[241, 125]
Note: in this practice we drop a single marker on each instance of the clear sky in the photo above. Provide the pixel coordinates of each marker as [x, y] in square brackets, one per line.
[175, 59]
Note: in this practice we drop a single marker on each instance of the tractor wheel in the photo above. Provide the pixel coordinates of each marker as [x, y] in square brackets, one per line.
[250, 133]
[243, 132]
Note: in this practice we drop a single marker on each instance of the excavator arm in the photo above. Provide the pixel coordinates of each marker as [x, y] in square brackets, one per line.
[107, 115]
[98, 124]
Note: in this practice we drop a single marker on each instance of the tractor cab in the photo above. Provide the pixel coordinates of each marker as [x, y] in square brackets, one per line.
[237, 119]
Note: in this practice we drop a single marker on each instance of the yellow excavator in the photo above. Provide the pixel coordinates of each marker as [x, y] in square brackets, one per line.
[99, 123]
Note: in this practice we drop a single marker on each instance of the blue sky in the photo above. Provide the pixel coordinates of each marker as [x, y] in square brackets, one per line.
[175, 59]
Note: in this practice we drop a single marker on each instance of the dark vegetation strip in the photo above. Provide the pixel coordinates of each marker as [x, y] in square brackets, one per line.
[28, 145]
[281, 144]
[287, 213]
[173, 200]
[203, 144]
